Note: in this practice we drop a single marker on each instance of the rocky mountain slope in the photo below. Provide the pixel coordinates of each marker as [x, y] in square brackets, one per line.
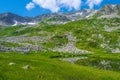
[86, 31]
[79, 37]
[11, 19]
[7, 19]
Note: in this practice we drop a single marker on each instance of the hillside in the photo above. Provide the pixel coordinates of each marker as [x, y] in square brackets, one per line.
[82, 36]
[83, 45]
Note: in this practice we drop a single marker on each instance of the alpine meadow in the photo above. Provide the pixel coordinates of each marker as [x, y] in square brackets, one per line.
[79, 45]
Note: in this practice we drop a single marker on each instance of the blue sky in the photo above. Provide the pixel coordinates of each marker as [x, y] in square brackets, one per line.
[36, 7]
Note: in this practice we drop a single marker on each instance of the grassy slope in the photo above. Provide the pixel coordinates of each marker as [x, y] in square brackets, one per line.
[43, 68]
[81, 29]
[84, 29]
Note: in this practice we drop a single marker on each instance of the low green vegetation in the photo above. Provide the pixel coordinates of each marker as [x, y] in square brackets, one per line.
[9, 44]
[57, 40]
[6, 31]
[101, 37]
[43, 68]
[55, 18]
[102, 61]
[24, 31]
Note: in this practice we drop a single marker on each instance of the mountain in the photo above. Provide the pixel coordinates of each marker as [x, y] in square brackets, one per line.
[11, 19]
[80, 36]
[88, 37]
[7, 19]
[52, 18]
[109, 11]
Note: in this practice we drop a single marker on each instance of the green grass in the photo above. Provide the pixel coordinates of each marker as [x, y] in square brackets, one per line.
[46, 66]
[81, 29]
[9, 44]
[94, 60]
[6, 31]
[58, 40]
[43, 68]
[26, 31]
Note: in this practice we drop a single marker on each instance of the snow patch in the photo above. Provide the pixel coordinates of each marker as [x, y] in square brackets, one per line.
[15, 23]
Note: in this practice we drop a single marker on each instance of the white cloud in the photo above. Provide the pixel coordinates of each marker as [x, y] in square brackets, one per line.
[30, 6]
[56, 5]
[47, 4]
[91, 3]
[70, 4]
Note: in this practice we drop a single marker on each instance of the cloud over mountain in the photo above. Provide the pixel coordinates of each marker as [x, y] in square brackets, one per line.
[91, 3]
[70, 4]
[56, 5]
[47, 4]
[30, 5]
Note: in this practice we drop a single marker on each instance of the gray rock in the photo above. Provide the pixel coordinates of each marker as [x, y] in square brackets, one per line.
[26, 67]
[11, 63]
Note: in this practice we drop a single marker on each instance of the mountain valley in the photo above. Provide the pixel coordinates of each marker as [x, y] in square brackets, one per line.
[61, 46]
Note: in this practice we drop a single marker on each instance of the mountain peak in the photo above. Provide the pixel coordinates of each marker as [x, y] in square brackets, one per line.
[112, 7]
[7, 14]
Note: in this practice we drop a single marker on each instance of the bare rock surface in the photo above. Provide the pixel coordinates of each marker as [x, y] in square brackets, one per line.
[26, 67]
[11, 63]
[72, 60]
[70, 47]
[110, 29]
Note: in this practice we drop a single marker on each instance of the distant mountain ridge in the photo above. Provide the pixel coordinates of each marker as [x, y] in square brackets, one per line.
[11, 19]
[8, 19]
